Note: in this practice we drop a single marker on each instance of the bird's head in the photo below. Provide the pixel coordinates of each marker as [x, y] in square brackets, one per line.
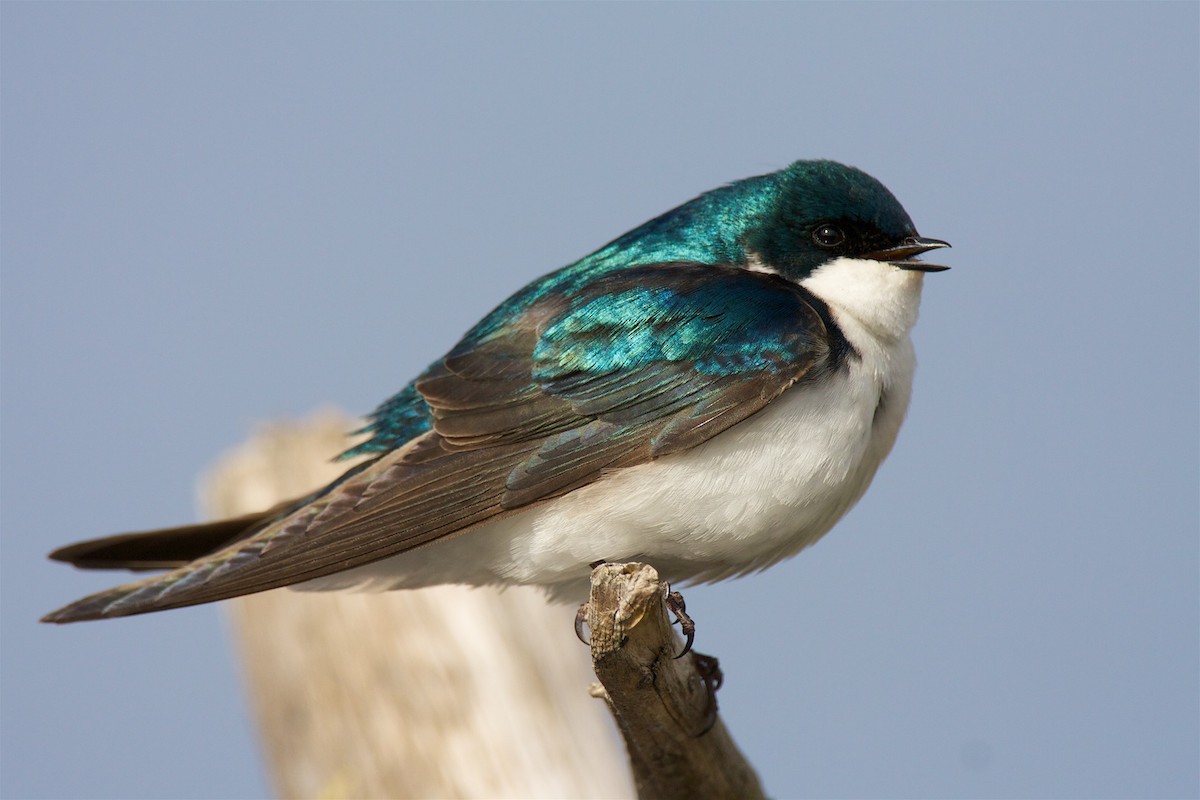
[823, 211]
[829, 227]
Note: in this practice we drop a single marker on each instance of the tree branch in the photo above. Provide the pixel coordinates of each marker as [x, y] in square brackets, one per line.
[662, 704]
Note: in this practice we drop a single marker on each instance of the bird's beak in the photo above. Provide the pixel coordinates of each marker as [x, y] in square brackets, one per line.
[902, 255]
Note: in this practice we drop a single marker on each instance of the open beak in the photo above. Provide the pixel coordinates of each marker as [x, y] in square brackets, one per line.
[903, 255]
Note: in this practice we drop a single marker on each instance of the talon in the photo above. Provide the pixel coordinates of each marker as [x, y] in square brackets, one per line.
[687, 627]
[710, 670]
[580, 621]
[710, 673]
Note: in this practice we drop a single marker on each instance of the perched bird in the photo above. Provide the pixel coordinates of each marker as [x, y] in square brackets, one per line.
[708, 393]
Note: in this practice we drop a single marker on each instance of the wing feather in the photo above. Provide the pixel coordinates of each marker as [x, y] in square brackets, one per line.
[639, 364]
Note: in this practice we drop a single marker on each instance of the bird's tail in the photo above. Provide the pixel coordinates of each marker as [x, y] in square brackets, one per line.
[165, 548]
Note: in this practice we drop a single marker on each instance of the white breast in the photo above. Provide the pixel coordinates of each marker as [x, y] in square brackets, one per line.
[753, 495]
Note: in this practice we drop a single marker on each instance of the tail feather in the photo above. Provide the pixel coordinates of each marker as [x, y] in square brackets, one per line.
[166, 548]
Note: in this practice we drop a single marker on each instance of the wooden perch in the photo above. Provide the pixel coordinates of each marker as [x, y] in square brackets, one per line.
[663, 705]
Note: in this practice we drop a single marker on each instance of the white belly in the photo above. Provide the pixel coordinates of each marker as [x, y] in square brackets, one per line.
[757, 493]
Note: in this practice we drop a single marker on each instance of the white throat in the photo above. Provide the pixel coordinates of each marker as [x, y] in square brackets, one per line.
[874, 296]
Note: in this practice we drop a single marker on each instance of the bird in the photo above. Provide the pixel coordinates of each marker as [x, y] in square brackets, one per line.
[708, 393]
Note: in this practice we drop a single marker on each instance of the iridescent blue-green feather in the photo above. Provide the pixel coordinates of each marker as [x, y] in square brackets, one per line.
[718, 227]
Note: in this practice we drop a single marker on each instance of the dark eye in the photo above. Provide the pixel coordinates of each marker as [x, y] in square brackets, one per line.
[829, 236]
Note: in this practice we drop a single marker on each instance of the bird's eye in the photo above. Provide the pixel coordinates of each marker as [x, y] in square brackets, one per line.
[828, 236]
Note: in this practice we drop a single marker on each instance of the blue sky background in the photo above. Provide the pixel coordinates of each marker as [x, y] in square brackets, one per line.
[220, 214]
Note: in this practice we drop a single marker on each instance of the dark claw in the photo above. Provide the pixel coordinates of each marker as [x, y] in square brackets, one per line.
[710, 672]
[581, 614]
[686, 625]
[580, 619]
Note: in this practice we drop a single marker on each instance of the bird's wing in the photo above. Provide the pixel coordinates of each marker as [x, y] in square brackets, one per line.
[637, 364]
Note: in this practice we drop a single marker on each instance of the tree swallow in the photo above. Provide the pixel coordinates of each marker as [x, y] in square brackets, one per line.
[708, 393]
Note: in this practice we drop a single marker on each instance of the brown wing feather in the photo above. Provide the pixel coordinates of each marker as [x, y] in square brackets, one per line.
[500, 442]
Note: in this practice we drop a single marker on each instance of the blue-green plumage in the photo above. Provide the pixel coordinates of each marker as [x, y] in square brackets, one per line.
[401, 417]
[653, 345]
[722, 226]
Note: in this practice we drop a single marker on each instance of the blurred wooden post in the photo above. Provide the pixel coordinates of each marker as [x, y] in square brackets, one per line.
[444, 692]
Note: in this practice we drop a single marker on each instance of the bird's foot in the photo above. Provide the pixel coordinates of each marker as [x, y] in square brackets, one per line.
[677, 607]
[580, 621]
[581, 614]
[710, 673]
[707, 666]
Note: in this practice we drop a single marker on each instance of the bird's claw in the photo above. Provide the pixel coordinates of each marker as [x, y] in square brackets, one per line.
[710, 674]
[675, 604]
[710, 671]
[707, 667]
[677, 607]
[580, 621]
[581, 614]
